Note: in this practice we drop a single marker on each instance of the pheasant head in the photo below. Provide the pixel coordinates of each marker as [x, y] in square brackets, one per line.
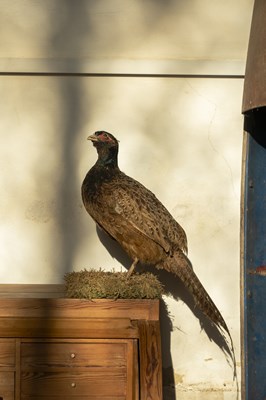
[107, 148]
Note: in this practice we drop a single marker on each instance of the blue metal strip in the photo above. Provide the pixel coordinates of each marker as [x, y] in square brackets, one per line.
[255, 262]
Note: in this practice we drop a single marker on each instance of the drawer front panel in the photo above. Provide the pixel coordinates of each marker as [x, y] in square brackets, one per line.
[81, 397]
[102, 383]
[47, 355]
[7, 384]
[7, 353]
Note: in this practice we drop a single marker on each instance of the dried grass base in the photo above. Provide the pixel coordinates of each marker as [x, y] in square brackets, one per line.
[99, 284]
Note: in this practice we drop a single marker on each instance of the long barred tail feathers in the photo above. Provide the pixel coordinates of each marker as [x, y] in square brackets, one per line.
[180, 266]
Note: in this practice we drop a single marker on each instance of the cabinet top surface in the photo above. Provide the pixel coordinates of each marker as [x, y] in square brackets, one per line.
[78, 308]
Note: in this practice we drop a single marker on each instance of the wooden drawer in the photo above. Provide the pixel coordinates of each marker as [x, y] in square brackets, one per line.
[7, 385]
[7, 353]
[94, 369]
[47, 355]
[103, 383]
[96, 383]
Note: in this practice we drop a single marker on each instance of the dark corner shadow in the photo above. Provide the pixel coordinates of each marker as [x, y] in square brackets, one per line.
[175, 288]
[255, 125]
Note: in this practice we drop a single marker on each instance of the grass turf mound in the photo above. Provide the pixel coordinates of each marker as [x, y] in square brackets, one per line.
[99, 284]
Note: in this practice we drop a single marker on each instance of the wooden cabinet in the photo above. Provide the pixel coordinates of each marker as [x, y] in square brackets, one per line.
[61, 349]
[7, 369]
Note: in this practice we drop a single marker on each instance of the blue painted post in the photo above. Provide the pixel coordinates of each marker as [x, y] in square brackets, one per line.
[255, 258]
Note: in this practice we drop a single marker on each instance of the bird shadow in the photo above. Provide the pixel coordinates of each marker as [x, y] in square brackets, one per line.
[176, 289]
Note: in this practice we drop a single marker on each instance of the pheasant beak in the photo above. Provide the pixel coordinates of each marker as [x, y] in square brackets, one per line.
[93, 138]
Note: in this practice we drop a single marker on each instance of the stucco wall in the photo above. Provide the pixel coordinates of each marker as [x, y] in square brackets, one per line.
[181, 136]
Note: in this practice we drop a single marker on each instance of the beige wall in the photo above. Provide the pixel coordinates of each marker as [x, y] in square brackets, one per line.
[181, 136]
[125, 36]
[169, 29]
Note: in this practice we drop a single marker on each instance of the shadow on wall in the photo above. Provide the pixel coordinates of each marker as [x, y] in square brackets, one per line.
[68, 89]
[68, 191]
[175, 288]
[65, 30]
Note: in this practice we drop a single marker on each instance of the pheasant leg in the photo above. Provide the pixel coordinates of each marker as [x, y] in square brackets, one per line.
[133, 266]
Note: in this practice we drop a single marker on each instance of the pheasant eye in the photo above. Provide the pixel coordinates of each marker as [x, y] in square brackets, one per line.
[106, 137]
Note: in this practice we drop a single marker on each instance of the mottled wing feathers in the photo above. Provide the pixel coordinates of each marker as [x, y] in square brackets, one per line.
[138, 206]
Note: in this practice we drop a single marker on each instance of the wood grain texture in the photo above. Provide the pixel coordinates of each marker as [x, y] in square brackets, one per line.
[60, 356]
[101, 382]
[150, 360]
[18, 369]
[7, 385]
[132, 378]
[74, 368]
[62, 396]
[32, 291]
[73, 308]
[7, 353]
[67, 328]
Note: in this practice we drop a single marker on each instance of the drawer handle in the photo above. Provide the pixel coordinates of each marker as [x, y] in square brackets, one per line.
[72, 355]
[73, 385]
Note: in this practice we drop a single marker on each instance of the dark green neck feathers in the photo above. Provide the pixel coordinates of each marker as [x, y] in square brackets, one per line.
[107, 155]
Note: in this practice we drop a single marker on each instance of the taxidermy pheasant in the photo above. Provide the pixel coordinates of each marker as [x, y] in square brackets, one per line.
[138, 221]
